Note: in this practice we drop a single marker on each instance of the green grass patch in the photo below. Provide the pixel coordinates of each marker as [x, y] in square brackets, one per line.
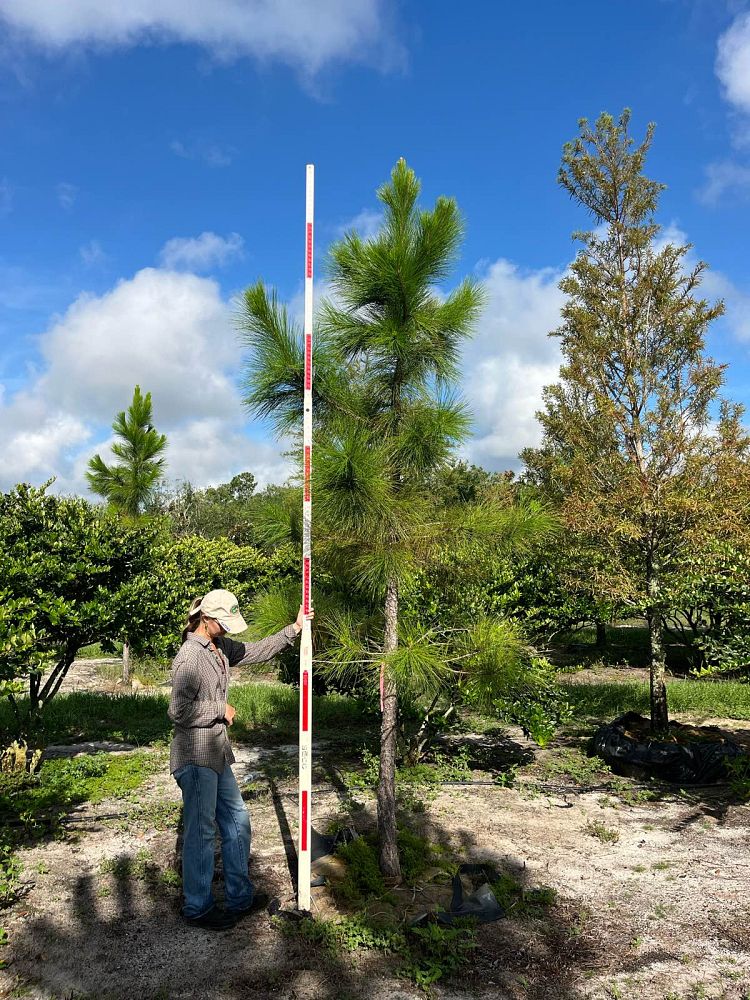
[422, 954]
[87, 715]
[520, 903]
[276, 707]
[142, 718]
[721, 699]
[95, 652]
[31, 804]
[363, 880]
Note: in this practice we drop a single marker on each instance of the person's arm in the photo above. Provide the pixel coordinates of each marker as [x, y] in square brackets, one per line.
[239, 653]
[185, 709]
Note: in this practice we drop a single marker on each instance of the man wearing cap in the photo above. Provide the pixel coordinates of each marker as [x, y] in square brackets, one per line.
[201, 757]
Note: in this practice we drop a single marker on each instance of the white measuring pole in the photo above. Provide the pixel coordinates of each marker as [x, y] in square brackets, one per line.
[305, 656]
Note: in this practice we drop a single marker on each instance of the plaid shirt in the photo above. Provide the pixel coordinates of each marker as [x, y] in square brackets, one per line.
[199, 695]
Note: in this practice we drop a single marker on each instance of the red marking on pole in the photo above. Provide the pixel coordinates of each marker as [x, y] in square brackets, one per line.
[305, 699]
[308, 361]
[306, 585]
[308, 468]
[309, 253]
[303, 838]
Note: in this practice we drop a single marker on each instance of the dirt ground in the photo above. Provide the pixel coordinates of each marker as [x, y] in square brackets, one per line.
[655, 908]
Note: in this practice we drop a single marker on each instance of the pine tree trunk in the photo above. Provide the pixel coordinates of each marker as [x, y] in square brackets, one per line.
[389, 861]
[126, 662]
[659, 708]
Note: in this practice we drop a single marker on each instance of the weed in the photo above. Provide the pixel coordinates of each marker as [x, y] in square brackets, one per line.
[363, 879]
[661, 866]
[125, 867]
[520, 902]
[636, 943]
[425, 954]
[575, 765]
[739, 777]
[41, 868]
[606, 834]
[10, 869]
[508, 777]
[171, 878]
[162, 814]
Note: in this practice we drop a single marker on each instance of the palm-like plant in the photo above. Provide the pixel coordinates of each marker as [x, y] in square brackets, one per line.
[128, 484]
[387, 415]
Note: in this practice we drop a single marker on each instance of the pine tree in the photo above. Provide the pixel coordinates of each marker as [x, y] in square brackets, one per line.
[128, 484]
[387, 350]
[628, 448]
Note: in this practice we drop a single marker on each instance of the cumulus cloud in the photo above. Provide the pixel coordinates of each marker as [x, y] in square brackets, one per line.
[729, 177]
[200, 253]
[510, 360]
[170, 333]
[302, 34]
[733, 62]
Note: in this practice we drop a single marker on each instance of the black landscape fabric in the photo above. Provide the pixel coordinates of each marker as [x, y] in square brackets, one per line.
[698, 762]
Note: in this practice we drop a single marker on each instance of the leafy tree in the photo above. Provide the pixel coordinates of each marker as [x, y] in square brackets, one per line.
[628, 449]
[127, 484]
[74, 575]
[387, 417]
[224, 511]
[67, 567]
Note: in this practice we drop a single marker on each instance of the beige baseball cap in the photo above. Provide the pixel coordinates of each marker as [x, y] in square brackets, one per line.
[222, 605]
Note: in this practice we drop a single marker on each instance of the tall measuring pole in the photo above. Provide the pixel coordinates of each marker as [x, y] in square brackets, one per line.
[305, 656]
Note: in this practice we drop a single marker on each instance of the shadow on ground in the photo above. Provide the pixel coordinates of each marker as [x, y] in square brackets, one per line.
[130, 942]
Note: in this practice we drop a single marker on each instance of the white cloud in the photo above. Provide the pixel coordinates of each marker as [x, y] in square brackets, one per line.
[66, 195]
[733, 62]
[211, 153]
[729, 177]
[510, 360]
[367, 223]
[303, 34]
[6, 196]
[170, 333]
[200, 253]
[92, 254]
[722, 179]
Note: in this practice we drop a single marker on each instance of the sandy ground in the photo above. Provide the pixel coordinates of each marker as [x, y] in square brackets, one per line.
[660, 914]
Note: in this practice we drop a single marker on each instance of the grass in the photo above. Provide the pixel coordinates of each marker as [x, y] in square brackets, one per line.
[142, 719]
[605, 700]
[95, 652]
[606, 834]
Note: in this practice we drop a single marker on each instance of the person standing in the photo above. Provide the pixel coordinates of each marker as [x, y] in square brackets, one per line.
[201, 757]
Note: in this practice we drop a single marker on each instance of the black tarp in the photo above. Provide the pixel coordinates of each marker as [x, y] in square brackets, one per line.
[626, 747]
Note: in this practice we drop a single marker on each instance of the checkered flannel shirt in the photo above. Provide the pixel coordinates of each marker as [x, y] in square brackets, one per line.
[199, 695]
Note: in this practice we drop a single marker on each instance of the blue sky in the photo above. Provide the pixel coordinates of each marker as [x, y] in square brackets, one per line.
[152, 165]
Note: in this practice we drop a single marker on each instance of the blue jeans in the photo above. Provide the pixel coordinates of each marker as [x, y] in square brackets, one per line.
[210, 799]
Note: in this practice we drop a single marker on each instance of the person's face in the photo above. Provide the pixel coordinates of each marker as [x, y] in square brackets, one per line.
[214, 628]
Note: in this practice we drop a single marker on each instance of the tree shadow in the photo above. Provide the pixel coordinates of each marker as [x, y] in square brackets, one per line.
[120, 935]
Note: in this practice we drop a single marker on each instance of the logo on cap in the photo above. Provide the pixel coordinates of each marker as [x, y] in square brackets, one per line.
[234, 610]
